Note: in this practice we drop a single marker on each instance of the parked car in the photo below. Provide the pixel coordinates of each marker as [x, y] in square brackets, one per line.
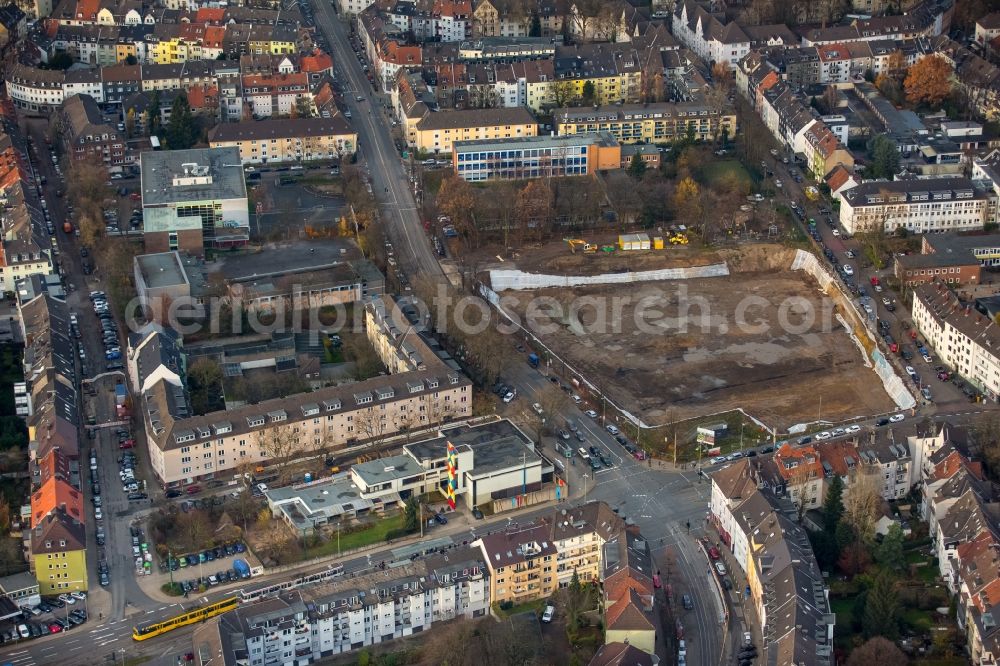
[549, 613]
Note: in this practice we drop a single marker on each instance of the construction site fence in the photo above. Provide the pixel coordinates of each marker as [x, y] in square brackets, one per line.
[510, 279]
[891, 381]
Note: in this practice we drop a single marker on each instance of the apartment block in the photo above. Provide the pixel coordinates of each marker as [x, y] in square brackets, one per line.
[89, 138]
[287, 140]
[437, 132]
[919, 206]
[579, 535]
[314, 622]
[663, 122]
[522, 564]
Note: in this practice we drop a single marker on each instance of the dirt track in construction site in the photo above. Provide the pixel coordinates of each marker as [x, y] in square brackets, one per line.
[763, 338]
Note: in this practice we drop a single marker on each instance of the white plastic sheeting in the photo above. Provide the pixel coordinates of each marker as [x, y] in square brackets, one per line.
[505, 279]
[894, 386]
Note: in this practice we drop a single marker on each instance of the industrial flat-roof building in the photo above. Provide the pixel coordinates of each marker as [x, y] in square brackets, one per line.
[160, 278]
[194, 200]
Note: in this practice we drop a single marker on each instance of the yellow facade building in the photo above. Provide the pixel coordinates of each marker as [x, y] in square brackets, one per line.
[435, 132]
[647, 123]
[287, 140]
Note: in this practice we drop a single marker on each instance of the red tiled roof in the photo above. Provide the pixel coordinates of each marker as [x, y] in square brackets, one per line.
[199, 95]
[837, 177]
[214, 35]
[210, 15]
[53, 495]
[798, 462]
[317, 62]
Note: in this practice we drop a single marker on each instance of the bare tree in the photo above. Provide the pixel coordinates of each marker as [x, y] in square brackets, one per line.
[278, 444]
[863, 502]
[372, 427]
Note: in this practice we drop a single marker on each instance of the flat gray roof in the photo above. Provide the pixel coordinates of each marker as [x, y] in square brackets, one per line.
[216, 176]
[495, 446]
[584, 139]
[162, 269]
[383, 470]
[464, 435]
[18, 581]
[335, 496]
[292, 257]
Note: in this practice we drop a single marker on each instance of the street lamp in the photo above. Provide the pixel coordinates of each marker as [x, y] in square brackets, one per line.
[122, 652]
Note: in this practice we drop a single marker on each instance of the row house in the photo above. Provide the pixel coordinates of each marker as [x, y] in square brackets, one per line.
[929, 18]
[276, 95]
[834, 63]
[453, 20]
[963, 339]
[614, 70]
[629, 580]
[55, 539]
[387, 47]
[500, 18]
[715, 39]
[475, 85]
[787, 116]
[824, 151]
[786, 586]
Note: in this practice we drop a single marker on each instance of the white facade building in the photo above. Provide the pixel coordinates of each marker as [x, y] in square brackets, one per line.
[305, 625]
[964, 340]
[920, 206]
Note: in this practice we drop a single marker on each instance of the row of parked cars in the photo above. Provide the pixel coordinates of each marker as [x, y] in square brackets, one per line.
[31, 623]
[109, 330]
[632, 449]
[209, 555]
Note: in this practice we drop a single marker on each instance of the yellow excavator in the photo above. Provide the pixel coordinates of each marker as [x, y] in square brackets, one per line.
[679, 239]
[574, 243]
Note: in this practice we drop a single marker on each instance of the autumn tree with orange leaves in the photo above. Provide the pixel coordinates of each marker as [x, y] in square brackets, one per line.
[928, 81]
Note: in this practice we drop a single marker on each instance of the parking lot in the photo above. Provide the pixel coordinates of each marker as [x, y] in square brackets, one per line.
[52, 615]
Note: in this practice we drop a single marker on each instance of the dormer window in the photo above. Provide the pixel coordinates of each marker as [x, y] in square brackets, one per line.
[255, 421]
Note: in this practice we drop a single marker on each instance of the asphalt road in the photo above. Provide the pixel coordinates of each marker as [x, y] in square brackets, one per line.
[377, 152]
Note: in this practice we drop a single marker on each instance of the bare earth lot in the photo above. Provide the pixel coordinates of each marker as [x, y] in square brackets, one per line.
[764, 339]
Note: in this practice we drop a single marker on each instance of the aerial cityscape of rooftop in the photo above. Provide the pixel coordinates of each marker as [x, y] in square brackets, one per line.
[500, 332]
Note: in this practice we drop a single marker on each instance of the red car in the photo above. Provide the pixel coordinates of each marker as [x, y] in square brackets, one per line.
[127, 444]
[55, 628]
[713, 553]
[191, 490]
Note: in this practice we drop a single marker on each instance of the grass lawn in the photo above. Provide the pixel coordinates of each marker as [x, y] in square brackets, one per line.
[844, 608]
[377, 533]
[331, 355]
[715, 171]
[919, 621]
[528, 606]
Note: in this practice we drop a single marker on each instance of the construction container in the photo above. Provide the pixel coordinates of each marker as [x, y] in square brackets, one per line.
[657, 242]
[633, 242]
